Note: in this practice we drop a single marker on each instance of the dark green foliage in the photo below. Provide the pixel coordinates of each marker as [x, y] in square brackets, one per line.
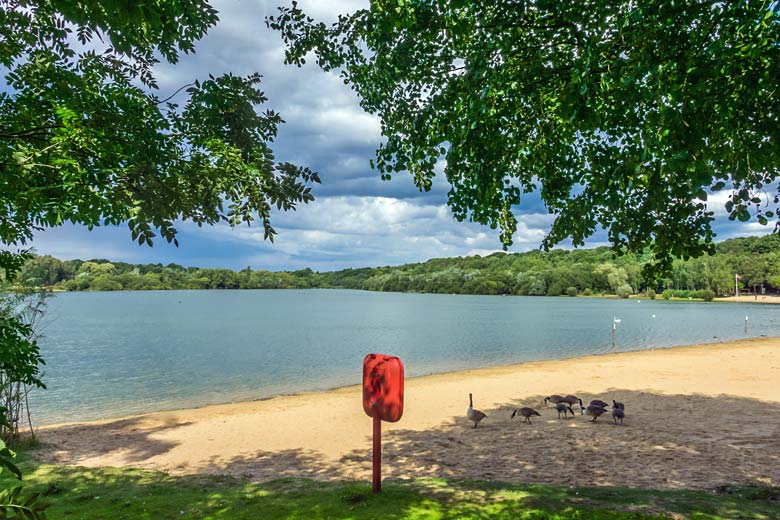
[85, 137]
[623, 115]
[12, 503]
[20, 358]
[536, 273]
[571, 291]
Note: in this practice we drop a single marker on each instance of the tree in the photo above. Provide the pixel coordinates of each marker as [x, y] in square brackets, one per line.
[623, 115]
[85, 137]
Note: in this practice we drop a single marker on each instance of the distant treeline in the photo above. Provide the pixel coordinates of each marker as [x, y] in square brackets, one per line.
[557, 272]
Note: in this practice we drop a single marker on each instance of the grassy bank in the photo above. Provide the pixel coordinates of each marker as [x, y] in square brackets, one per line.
[79, 493]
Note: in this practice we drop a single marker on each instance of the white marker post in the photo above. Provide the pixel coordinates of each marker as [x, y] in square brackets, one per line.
[746, 320]
[615, 321]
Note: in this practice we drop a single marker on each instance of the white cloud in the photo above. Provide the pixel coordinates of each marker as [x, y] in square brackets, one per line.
[356, 220]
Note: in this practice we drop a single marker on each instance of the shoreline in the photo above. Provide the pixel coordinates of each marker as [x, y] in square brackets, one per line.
[696, 417]
[356, 387]
[770, 299]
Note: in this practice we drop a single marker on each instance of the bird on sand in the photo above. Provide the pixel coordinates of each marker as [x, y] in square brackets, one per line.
[594, 411]
[474, 415]
[554, 399]
[564, 408]
[526, 412]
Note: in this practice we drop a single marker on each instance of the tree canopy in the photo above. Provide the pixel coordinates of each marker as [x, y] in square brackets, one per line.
[536, 273]
[85, 136]
[623, 115]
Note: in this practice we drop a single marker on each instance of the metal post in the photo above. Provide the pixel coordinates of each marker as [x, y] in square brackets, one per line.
[614, 327]
[377, 455]
[746, 320]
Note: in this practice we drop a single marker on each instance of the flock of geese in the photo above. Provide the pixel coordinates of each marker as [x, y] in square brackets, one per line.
[563, 405]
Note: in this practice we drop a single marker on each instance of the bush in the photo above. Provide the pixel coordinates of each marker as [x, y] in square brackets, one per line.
[105, 283]
[555, 289]
[587, 292]
[708, 295]
[571, 291]
[20, 358]
[650, 294]
[667, 294]
[624, 291]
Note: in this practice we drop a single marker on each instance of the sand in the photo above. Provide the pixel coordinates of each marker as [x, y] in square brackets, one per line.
[750, 298]
[696, 417]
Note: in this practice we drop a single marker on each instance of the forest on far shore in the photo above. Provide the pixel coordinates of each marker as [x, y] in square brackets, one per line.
[536, 273]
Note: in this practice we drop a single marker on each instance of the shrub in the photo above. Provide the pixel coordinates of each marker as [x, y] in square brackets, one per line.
[650, 294]
[624, 291]
[20, 358]
[571, 291]
[587, 292]
[667, 294]
[708, 295]
[105, 283]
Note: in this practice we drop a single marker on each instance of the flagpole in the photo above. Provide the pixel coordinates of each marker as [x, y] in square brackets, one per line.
[736, 285]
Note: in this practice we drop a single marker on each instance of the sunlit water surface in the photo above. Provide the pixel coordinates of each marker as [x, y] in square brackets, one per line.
[112, 354]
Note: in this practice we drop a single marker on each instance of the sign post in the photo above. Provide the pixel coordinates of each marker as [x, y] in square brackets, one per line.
[383, 400]
[376, 476]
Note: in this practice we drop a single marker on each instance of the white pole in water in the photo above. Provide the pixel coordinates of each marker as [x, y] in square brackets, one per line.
[615, 321]
[746, 320]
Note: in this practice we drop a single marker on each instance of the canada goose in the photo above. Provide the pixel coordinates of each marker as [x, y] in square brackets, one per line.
[565, 408]
[599, 402]
[572, 399]
[618, 413]
[526, 412]
[615, 404]
[474, 415]
[554, 399]
[593, 411]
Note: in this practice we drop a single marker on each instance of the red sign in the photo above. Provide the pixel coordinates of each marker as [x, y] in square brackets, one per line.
[383, 387]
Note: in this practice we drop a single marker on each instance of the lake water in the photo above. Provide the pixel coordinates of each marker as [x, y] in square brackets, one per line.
[111, 354]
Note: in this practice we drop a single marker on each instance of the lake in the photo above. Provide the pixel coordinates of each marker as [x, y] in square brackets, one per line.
[116, 353]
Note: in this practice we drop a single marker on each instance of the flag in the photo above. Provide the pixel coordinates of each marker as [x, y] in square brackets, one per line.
[737, 277]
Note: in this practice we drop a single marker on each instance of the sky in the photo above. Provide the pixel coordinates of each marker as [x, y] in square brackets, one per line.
[357, 220]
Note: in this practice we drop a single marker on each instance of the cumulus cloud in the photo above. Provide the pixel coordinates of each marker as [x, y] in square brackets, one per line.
[357, 219]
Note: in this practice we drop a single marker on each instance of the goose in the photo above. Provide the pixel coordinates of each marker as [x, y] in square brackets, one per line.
[599, 402]
[565, 408]
[474, 415]
[554, 399]
[593, 411]
[572, 399]
[526, 412]
[615, 404]
[618, 413]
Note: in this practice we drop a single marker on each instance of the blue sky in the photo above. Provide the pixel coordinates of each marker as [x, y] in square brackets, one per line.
[357, 219]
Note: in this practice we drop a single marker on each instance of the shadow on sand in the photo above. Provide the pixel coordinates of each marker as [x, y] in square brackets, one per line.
[666, 442]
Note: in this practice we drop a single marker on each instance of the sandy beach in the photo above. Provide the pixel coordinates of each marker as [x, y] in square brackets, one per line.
[696, 417]
[767, 298]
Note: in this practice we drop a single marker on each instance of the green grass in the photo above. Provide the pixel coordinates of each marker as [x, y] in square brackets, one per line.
[113, 493]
